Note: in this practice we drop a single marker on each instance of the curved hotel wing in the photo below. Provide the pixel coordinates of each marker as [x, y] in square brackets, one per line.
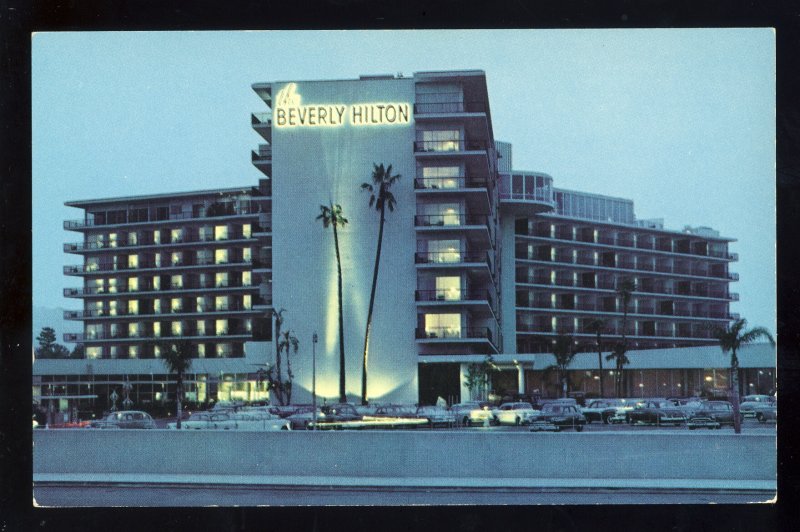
[478, 259]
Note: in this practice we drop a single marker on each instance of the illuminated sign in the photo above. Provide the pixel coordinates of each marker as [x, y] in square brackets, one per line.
[289, 112]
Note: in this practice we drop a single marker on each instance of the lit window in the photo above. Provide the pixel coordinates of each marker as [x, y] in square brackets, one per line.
[223, 350]
[448, 288]
[177, 328]
[441, 176]
[113, 239]
[156, 351]
[221, 327]
[221, 302]
[156, 306]
[114, 351]
[156, 282]
[444, 140]
[177, 281]
[177, 258]
[133, 351]
[221, 279]
[443, 325]
[221, 232]
[176, 304]
[92, 352]
[176, 235]
[247, 230]
[247, 278]
[156, 236]
[247, 301]
[157, 329]
[247, 254]
[133, 306]
[201, 350]
[134, 330]
[133, 284]
[220, 256]
[132, 239]
[112, 286]
[201, 328]
[112, 308]
[248, 325]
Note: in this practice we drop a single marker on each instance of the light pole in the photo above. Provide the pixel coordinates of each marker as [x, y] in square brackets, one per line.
[314, 378]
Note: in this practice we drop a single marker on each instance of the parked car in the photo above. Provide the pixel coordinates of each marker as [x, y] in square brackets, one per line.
[303, 416]
[337, 413]
[688, 406]
[557, 416]
[402, 411]
[719, 411]
[436, 416]
[750, 403]
[657, 412]
[463, 410]
[124, 419]
[605, 409]
[517, 413]
[767, 412]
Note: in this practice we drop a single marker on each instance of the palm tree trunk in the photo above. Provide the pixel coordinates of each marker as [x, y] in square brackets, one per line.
[178, 394]
[622, 389]
[600, 362]
[279, 381]
[737, 422]
[342, 393]
[364, 399]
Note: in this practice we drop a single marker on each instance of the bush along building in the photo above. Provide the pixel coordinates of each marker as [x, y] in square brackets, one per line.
[477, 259]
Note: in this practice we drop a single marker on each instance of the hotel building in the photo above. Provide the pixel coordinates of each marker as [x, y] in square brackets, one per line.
[478, 259]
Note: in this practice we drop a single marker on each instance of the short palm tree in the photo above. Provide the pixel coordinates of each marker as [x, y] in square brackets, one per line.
[178, 359]
[331, 216]
[732, 339]
[597, 327]
[381, 197]
[288, 342]
[564, 349]
[277, 316]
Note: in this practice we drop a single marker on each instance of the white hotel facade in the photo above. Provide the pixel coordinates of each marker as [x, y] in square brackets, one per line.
[479, 258]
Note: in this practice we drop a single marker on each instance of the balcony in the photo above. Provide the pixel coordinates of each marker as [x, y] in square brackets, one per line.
[81, 247]
[439, 147]
[451, 220]
[215, 211]
[453, 295]
[123, 291]
[451, 333]
[170, 314]
[452, 258]
[239, 334]
[262, 156]
[444, 184]
[449, 107]
[262, 124]
[152, 265]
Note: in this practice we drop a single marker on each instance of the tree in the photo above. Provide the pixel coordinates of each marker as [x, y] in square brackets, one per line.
[275, 381]
[178, 359]
[289, 343]
[478, 376]
[285, 341]
[732, 339]
[597, 327]
[564, 350]
[48, 347]
[625, 289]
[78, 353]
[620, 359]
[381, 197]
[332, 216]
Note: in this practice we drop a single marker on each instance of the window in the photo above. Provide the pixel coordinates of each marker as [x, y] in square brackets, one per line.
[201, 327]
[221, 256]
[448, 288]
[176, 304]
[133, 306]
[444, 250]
[157, 329]
[157, 306]
[177, 328]
[221, 279]
[134, 330]
[176, 258]
[176, 281]
[247, 230]
[442, 140]
[221, 302]
[134, 351]
[221, 232]
[441, 176]
[247, 301]
[221, 327]
[176, 235]
[443, 325]
[247, 278]
[93, 352]
[247, 254]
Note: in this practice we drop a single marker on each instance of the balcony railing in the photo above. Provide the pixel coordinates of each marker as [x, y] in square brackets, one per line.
[261, 119]
[110, 246]
[451, 257]
[222, 212]
[147, 264]
[449, 145]
[450, 107]
[149, 336]
[454, 219]
[543, 194]
[446, 183]
[122, 290]
[453, 294]
[447, 333]
[125, 313]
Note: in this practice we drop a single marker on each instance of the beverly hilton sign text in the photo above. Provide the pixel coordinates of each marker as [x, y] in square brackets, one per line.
[290, 113]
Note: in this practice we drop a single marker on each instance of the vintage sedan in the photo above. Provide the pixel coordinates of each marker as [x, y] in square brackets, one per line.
[210, 420]
[605, 410]
[719, 411]
[519, 413]
[395, 411]
[557, 416]
[124, 419]
[436, 416]
[751, 403]
[767, 412]
[303, 416]
[656, 412]
[462, 411]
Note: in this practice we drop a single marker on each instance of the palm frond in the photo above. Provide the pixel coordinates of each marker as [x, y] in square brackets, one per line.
[754, 334]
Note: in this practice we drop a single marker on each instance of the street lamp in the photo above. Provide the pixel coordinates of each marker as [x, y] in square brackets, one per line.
[314, 340]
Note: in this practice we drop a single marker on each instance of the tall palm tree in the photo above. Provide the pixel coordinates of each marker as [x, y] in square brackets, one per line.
[178, 359]
[597, 327]
[732, 339]
[331, 216]
[625, 288]
[564, 350]
[288, 342]
[381, 197]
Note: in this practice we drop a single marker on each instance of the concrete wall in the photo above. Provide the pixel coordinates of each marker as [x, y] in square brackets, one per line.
[686, 459]
[316, 165]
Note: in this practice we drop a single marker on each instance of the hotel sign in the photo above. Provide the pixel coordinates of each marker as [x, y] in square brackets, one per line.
[289, 112]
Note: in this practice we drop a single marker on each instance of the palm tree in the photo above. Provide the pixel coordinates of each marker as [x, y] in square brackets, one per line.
[620, 359]
[731, 340]
[178, 359]
[277, 316]
[289, 343]
[332, 216]
[564, 350]
[598, 326]
[382, 180]
[625, 288]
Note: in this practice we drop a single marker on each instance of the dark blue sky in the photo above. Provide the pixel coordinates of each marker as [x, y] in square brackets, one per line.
[680, 121]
